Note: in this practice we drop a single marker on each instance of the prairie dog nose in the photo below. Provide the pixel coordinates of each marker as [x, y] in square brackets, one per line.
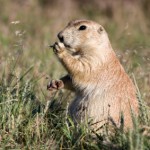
[60, 36]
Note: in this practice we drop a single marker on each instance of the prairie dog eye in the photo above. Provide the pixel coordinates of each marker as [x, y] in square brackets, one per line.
[83, 27]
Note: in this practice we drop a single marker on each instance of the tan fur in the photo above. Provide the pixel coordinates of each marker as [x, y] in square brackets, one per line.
[103, 89]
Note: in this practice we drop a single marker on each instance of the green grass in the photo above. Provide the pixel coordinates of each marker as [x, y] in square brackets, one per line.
[29, 124]
[32, 118]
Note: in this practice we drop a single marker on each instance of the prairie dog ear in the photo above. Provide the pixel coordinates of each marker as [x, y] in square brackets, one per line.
[100, 30]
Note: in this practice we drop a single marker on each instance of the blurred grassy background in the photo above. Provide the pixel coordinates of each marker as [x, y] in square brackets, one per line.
[28, 27]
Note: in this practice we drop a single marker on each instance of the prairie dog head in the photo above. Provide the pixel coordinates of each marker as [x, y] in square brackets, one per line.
[84, 35]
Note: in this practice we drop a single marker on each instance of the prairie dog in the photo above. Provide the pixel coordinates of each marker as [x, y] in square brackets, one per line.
[103, 89]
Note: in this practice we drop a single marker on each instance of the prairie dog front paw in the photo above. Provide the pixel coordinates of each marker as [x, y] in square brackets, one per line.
[55, 85]
[58, 48]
